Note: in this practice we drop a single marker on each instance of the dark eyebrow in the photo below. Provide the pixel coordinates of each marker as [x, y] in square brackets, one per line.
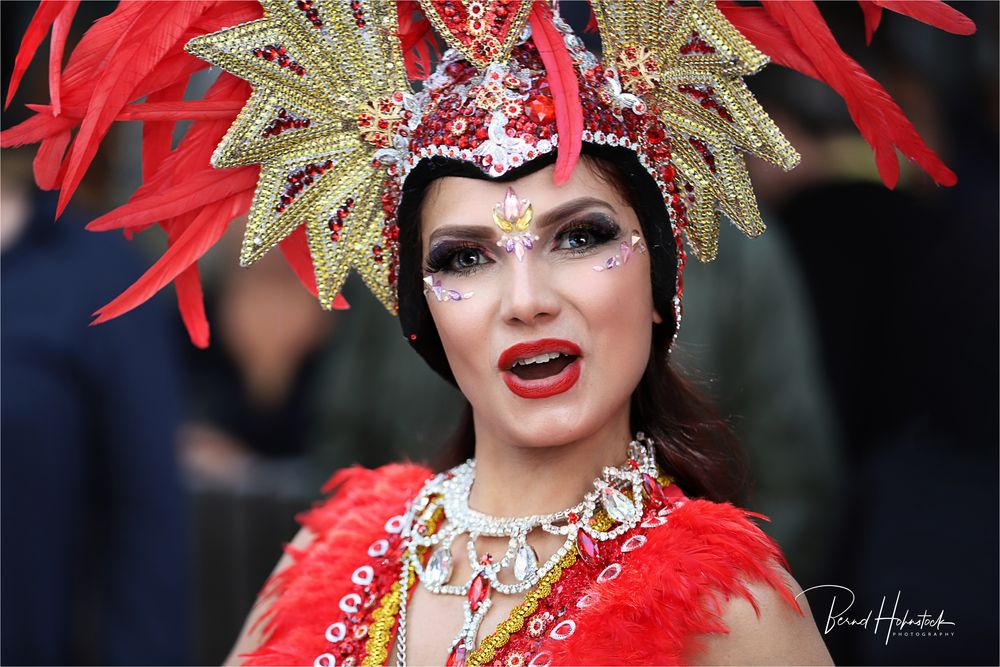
[571, 208]
[480, 233]
[483, 233]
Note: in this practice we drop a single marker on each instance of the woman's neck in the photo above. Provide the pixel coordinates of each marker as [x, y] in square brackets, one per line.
[515, 480]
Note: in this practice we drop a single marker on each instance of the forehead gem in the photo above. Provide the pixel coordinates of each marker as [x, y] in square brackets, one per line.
[513, 215]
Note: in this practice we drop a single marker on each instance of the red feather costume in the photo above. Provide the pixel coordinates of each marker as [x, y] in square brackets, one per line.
[651, 610]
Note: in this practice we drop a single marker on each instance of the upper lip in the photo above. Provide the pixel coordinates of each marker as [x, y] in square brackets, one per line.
[535, 347]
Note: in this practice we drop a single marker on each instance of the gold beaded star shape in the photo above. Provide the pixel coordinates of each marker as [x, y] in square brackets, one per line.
[687, 61]
[328, 83]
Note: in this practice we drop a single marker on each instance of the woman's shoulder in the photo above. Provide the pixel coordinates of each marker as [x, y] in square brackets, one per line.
[752, 610]
[678, 581]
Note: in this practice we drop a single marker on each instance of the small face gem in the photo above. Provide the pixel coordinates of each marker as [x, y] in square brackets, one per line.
[625, 252]
[432, 286]
[513, 215]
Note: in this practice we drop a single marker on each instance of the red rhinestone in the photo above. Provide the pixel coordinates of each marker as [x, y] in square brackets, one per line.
[654, 133]
[653, 490]
[478, 592]
[633, 464]
[540, 109]
[573, 518]
[587, 548]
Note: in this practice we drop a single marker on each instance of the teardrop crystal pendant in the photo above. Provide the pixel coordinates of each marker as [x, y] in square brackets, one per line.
[617, 504]
[526, 562]
[438, 569]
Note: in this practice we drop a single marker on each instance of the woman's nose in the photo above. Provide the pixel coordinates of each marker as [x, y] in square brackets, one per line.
[528, 294]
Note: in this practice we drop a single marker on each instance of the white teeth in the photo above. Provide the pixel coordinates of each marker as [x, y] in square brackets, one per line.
[540, 359]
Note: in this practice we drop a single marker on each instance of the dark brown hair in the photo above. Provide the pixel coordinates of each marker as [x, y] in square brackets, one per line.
[693, 443]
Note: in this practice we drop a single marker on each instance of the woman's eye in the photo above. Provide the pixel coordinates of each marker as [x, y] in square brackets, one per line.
[466, 258]
[577, 239]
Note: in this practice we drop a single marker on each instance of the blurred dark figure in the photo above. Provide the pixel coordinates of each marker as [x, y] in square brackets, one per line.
[904, 285]
[94, 527]
[249, 424]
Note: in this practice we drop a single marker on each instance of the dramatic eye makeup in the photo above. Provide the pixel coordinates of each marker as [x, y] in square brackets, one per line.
[587, 233]
[456, 257]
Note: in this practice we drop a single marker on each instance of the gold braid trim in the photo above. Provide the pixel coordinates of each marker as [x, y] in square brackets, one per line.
[490, 645]
[383, 618]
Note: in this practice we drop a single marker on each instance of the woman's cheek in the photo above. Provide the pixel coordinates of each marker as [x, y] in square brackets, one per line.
[462, 326]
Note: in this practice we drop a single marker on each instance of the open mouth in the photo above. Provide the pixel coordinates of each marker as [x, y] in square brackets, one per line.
[541, 366]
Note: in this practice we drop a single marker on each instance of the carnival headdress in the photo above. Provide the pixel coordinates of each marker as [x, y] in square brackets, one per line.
[313, 125]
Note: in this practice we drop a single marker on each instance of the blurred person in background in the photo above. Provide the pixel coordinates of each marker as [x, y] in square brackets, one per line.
[94, 524]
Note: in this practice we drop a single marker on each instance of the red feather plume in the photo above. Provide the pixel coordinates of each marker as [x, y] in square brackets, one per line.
[564, 85]
[416, 40]
[60, 31]
[42, 21]
[794, 34]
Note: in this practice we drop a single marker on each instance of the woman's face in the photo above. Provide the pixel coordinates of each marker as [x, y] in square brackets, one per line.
[551, 301]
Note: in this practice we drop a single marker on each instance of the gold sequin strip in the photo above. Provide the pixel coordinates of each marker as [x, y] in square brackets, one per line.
[383, 618]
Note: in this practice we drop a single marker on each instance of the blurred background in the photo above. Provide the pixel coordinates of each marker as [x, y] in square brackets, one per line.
[148, 487]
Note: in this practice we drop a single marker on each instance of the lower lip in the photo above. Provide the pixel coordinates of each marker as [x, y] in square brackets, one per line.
[544, 387]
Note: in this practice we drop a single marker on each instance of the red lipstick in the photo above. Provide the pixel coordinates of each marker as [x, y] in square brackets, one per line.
[546, 386]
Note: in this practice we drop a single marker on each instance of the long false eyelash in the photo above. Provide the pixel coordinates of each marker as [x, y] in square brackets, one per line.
[441, 255]
[602, 227]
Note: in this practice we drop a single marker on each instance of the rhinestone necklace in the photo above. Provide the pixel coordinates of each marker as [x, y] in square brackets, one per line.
[449, 492]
